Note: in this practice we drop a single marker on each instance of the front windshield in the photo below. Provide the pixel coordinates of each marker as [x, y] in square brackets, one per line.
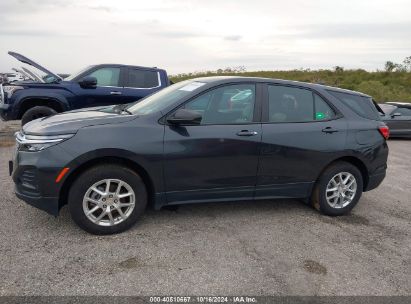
[164, 98]
[387, 108]
[74, 75]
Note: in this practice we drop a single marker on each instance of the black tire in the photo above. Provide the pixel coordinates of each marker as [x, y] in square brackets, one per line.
[318, 197]
[94, 175]
[36, 112]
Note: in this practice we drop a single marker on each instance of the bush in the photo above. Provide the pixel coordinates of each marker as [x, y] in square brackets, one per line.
[381, 85]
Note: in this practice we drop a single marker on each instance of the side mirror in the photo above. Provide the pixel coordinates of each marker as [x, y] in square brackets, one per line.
[88, 82]
[395, 115]
[185, 117]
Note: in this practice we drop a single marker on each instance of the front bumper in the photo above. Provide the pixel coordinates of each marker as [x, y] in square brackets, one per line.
[48, 204]
[3, 107]
[34, 175]
[4, 111]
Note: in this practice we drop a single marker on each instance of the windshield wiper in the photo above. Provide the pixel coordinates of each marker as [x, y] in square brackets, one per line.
[127, 111]
[121, 108]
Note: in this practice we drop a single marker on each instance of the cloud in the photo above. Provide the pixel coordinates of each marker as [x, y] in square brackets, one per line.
[39, 33]
[233, 38]
[186, 35]
[380, 30]
[103, 8]
[174, 34]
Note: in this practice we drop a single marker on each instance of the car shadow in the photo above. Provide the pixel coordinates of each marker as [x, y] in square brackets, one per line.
[223, 208]
[193, 213]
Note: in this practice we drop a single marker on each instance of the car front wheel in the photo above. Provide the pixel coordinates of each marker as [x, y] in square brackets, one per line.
[107, 199]
[338, 189]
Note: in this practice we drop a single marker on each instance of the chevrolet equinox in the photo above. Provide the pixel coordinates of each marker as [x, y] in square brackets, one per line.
[203, 140]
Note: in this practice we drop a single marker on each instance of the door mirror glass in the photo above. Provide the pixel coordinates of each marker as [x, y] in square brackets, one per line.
[88, 82]
[185, 117]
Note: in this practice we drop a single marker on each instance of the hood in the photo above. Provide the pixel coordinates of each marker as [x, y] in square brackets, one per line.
[28, 61]
[33, 75]
[71, 122]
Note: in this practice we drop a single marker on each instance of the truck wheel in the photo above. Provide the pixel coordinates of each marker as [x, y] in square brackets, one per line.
[107, 199]
[338, 189]
[36, 112]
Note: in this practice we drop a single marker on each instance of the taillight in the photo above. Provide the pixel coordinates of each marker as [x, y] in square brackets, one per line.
[385, 131]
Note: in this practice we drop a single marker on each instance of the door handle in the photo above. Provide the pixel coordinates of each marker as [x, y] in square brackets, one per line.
[247, 133]
[329, 130]
[115, 93]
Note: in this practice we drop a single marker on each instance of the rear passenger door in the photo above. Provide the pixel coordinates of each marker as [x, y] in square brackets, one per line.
[141, 82]
[301, 132]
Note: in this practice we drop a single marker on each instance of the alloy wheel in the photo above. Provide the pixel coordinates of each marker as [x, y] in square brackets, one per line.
[341, 190]
[109, 202]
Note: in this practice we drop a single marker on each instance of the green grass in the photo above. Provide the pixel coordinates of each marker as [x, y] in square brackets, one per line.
[382, 86]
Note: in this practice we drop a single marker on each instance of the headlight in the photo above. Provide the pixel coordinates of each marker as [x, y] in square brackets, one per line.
[38, 142]
[9, 90]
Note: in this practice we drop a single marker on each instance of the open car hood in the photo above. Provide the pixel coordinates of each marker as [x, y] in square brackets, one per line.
[28, 61]
[33, 75]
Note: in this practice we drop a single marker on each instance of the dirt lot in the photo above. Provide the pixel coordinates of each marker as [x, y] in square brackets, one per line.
[263, 248]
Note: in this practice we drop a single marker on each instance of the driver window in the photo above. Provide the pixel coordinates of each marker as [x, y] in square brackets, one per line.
[107, 76]
[233, 104]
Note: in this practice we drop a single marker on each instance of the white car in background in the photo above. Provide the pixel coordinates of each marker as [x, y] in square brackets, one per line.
[12, 77]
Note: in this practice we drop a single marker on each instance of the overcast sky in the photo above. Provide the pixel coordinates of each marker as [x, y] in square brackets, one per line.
[196, 35]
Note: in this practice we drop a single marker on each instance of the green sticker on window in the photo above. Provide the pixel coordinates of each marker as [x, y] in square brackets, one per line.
[319, 115]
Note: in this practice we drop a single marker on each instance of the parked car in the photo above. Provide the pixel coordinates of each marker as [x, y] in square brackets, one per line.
[13, 77]
[397, 116]
[25, 76]
[97, 85]
[185, 144]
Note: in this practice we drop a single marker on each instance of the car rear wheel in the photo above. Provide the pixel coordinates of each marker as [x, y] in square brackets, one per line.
[36, 112]
[107, 199]
[338, 189]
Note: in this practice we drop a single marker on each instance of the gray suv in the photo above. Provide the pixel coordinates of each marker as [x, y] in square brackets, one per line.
[203, 140]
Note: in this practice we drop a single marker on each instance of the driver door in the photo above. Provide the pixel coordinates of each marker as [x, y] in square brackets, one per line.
[218, 158]
[109, 89]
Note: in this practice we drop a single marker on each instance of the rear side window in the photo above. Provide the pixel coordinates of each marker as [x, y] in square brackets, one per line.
[142, 79]
[291, 104]
[322, 111]
[361, 105]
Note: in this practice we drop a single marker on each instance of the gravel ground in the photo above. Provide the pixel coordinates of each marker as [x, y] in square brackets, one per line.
[262, 248]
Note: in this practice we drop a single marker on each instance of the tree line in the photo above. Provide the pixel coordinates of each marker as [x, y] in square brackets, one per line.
[391, 84]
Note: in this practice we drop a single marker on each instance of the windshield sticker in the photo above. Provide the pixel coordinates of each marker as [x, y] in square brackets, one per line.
[192, 86]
